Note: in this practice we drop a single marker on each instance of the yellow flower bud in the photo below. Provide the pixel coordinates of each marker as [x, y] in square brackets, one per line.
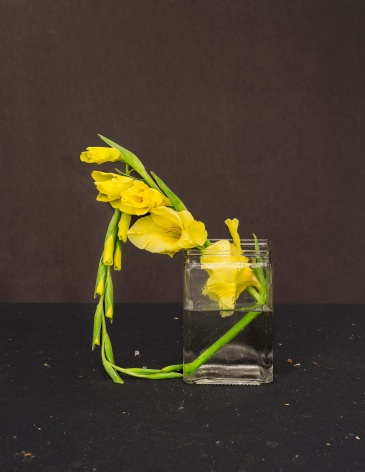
[109, 295]
[100, 288]
[100, 279]
[109, 313]
[118, 255]
[111, 236]
[99, 155]
[109, 251]
[123, 226]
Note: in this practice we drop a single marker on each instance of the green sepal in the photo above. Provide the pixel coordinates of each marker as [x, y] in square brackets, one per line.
[174, 199]
[98, 318]
[112, 232]
[112, 373]
[109, 295]
[108, 348]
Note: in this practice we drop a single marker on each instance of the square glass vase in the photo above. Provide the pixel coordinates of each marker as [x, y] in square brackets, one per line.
[228, 314]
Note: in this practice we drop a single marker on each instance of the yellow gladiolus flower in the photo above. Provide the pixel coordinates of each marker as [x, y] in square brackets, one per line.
[229, 271]
[167, 231]
[99, 155]
[110, 186]
[140, 199]
[128, 195]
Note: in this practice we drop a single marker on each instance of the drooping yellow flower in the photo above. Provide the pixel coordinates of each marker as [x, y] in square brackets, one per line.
[128, 195]
[99, 155]
[167, 231]
[229, 271]
[139, 199]
[110, 186]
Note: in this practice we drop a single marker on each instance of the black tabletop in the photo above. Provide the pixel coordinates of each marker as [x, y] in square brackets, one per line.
[60, 412]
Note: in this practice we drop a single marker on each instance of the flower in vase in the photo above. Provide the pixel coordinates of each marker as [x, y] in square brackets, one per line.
[229, 271]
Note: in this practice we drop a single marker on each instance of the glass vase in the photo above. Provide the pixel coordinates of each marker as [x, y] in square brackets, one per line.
[228, 314]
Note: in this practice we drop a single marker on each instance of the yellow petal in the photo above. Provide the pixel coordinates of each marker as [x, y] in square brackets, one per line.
[146, 234]
[194, 235]
[167, 218]
[233, 229]
[140, 199]
[111, 186]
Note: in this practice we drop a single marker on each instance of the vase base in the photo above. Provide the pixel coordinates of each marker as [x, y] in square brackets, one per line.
[232, 375]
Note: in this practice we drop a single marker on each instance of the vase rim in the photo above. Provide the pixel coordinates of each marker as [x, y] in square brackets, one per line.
[247, 248]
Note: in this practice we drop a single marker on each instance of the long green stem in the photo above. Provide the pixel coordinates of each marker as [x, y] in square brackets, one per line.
[222, 341]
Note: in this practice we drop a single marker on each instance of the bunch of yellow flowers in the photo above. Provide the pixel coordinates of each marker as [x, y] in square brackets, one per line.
[164, 226]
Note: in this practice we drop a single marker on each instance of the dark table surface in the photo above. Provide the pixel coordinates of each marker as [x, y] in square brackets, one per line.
[60, 412]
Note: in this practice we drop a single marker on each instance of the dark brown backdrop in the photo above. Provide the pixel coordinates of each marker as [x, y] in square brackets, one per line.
[247, 109]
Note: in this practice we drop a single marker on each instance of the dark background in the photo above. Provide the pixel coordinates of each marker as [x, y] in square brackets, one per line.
[246, 109]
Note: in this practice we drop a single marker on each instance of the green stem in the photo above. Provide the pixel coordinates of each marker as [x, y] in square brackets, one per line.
[159, 375]
[222, 341]
[253, 292]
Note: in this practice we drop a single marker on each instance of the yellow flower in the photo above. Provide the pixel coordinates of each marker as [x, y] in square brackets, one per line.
[140, 199]
[110, 186]
[128, 195]
[99, 155]
[167, 231]
[228, 269]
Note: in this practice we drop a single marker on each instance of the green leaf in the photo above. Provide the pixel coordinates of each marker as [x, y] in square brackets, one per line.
[132, 160]
[174, 199]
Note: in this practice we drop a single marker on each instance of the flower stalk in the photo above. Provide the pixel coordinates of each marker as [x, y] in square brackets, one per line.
[164, 226]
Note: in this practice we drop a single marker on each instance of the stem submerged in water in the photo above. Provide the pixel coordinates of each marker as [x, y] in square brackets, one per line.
[222, 341]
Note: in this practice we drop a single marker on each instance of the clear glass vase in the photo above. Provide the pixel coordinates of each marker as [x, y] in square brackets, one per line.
[228, 314]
